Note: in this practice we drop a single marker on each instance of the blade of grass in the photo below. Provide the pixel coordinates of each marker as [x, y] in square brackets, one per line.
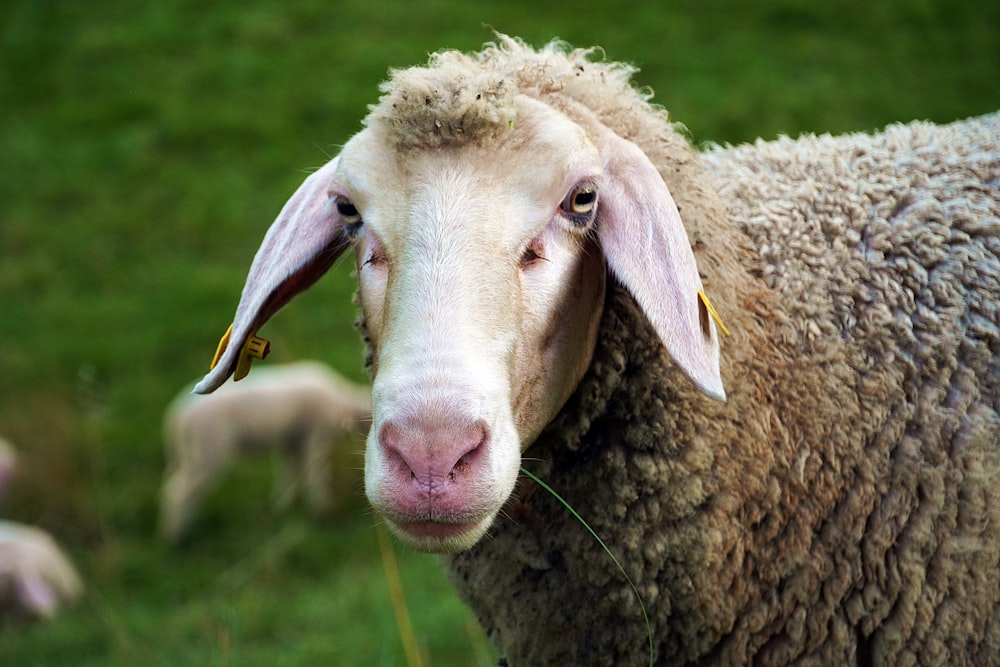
[576, 515]
[395, 584]
[478, 642]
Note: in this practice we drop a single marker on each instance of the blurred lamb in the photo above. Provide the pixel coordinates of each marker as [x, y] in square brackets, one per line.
[36, 577]
[298, 410]
[535, 243]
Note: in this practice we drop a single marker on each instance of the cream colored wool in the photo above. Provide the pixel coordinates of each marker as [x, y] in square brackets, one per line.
[843, 505]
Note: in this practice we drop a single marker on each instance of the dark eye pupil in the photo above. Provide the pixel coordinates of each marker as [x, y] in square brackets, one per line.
[584, 197]
[346, 209]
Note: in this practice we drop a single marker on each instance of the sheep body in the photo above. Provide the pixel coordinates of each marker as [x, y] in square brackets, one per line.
[36, 577]
[297, 410]
[841, 507]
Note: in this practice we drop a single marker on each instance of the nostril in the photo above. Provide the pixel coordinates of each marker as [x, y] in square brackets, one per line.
[476, 439]
[429, 454]
[390, 439]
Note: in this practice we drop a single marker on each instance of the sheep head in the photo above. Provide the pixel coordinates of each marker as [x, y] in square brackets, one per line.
[481, 220]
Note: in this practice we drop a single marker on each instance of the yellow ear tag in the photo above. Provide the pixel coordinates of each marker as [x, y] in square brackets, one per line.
[223, 344]
[254, 348]
[713, 312]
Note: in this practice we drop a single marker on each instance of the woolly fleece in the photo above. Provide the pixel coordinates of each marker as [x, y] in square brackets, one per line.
[843, 506]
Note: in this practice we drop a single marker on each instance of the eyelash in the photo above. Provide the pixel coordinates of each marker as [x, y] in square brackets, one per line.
[579, 207]
[532, 254]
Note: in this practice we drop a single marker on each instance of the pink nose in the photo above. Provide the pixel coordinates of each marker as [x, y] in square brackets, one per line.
[432, 466]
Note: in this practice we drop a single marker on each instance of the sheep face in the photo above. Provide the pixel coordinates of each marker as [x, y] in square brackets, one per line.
[480, 285]
[481, 241]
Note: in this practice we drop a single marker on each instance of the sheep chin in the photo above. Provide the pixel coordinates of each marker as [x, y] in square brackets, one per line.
[441, 537]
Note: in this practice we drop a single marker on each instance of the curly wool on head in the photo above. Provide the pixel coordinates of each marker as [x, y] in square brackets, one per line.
[460, 98]
[432, 107]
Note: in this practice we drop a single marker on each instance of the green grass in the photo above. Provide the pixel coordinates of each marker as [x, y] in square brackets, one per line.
[145, 149]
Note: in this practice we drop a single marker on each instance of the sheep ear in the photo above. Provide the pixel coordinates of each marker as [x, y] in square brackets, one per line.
[648, 251]
[301, 245]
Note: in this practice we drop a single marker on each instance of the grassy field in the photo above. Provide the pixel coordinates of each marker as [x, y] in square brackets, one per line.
[145, 149]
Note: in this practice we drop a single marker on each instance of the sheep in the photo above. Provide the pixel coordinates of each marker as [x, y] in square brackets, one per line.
[536, 246]
[36, 577]
[298, 410]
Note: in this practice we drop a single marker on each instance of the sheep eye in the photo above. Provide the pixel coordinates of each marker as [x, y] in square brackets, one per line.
[582, 200]
[580, 204]
[347, 211]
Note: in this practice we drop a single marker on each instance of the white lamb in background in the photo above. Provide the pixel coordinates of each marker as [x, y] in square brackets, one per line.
[35, 576]
[297, 410]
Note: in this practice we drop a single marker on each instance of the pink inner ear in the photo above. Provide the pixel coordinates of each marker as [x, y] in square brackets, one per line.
[301, 245]
[647, 249]
[301, 280]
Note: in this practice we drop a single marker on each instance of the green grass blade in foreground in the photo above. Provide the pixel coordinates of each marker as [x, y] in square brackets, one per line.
[395, 584]
[576, 515]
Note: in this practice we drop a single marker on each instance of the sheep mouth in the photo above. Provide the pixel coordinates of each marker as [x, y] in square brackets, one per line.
[440, 536]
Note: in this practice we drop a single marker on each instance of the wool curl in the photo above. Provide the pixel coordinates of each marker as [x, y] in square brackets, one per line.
[459, 98]
[843, 505]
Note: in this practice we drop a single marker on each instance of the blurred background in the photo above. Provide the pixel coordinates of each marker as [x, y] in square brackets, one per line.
[144, 150]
